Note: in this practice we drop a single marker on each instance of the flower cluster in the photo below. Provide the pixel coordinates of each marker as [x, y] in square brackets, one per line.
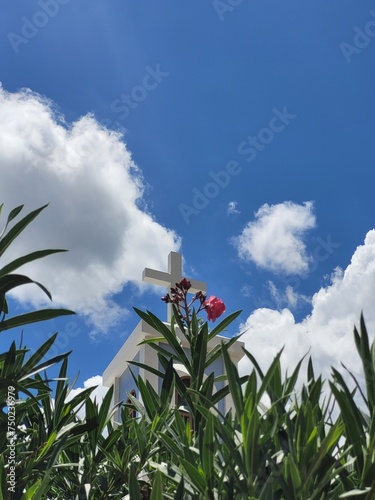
[178, 296]
[178, 293]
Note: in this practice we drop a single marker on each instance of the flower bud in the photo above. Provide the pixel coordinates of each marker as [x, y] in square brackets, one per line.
[184, 284]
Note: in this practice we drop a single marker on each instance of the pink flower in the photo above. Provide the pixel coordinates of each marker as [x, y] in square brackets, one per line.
[214, 307]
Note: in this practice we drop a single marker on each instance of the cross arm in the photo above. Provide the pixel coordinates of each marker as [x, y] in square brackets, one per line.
[156, 277]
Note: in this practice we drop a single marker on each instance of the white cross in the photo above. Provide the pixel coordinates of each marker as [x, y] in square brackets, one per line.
[173, 276]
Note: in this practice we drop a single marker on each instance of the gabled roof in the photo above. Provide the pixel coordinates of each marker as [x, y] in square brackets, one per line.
[144, 331]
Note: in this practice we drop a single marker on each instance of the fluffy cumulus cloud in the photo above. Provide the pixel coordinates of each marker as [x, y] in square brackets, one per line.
[274, 240]
[98, 393]
[95, 194]
[328, 331]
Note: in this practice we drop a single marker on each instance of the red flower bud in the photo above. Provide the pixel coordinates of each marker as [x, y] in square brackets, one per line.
[184, 284]
[214, 307]
[200, 296]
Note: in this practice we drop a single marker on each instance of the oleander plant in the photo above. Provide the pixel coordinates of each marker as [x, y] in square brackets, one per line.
[294, 448]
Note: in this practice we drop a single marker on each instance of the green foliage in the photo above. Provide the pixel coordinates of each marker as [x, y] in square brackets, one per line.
[9, 280]
[291, 448]
[278, 441]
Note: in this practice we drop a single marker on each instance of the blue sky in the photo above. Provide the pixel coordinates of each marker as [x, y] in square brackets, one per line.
[247, 143]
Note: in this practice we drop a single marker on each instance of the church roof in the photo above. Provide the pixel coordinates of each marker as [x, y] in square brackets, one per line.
[144, 331]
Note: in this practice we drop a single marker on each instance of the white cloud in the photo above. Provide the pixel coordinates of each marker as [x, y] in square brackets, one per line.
[274, 240]
[293, 297]
[289, 297]
[95, 192]
[98, 393]
[328, 330]
[232, 208]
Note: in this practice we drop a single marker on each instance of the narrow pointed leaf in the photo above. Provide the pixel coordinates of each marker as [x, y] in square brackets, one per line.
[18, 228]
[234, 382]
[40, 353]
[33, 317]
[21, 261]
[12, 215]
[223, 324]
[157, 487]
[12, 281]
[194, 475]
[45, 365]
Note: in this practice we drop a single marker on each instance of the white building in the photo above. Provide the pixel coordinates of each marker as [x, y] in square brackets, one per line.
[117, 372]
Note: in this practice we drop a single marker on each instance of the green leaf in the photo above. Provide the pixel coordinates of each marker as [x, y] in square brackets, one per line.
[221, 393]
[21, 261]
[3, 477]
[310, 371]
[13, 213]
[33, 317]
[104, 412]
[150, 369]
[152, 340]
[215, 353]
[45, 484]
[254, 362]
[368, 365]
[199, 356]
[233, 381]
[208, 449]
[45, 365]
[157, 487]
[196, 478]
[171, 444]
[291, 381]
[223, 324]
[18, 228]
[328, 444]
[293, 473]
[11, 216]
[168, 385]
[148, 398]
[11, 281]
[66, 428]
[207, 388]
[353, 421]
[272, 380]
[39, 354]
[179, 495]
[29, 494]
[134, 489]
[177, 319]
[160, 327]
